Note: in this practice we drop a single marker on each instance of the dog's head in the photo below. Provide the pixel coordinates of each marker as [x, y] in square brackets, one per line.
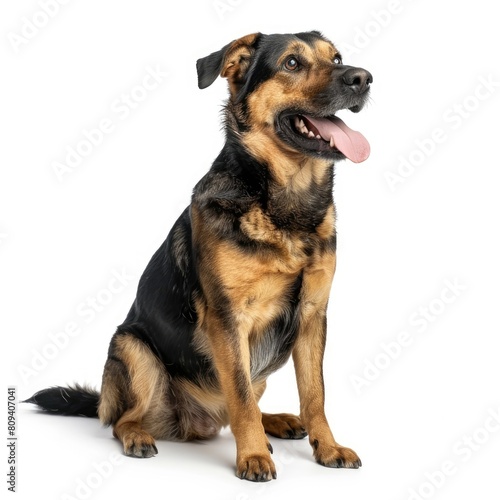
[285, 91]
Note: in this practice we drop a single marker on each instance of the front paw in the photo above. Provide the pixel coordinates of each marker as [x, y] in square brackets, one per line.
[337, 457]
[258, 468]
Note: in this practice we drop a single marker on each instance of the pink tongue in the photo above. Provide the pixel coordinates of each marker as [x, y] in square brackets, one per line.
[353, 144]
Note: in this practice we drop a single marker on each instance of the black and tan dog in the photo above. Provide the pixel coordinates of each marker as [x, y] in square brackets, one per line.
[242, 280]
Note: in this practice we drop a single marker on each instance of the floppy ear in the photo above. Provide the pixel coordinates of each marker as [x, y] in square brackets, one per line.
[231, 62]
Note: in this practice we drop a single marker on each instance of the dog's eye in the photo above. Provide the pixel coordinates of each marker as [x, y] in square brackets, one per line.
[291, 64]
[337, 60]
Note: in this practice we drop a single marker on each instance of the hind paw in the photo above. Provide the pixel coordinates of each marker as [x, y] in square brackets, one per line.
[140, 445]
[283, 425]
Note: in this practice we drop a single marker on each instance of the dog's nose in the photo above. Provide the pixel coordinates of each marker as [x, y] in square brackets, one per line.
[357, 79]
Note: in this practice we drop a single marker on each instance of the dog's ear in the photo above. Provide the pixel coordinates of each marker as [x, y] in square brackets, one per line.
[231, 62]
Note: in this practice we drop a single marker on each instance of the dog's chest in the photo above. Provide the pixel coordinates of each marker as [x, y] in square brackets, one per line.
[271, 340]
[267, 296]
[288, 251]
[264, 284]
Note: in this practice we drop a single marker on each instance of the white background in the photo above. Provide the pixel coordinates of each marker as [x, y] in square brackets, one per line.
[61, 241]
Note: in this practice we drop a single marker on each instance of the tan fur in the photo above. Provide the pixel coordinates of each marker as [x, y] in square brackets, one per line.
[109, 398]
[308, 361]
[255, 287]
[232, 361]
[290, 170]
[283, 425]
[147, 378]
[237, 60]
[327, 228]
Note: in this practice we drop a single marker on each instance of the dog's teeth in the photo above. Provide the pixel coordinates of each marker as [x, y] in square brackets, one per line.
[332, 144]
[297, 123]
[301, 124]
[311, 134]
[318, 137]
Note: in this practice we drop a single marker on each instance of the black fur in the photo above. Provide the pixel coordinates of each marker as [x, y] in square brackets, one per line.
[209, 67]
[77, 400]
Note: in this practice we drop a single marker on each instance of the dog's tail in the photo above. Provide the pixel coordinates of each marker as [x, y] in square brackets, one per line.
[76, 400]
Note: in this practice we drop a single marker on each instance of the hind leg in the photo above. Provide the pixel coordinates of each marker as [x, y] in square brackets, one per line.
[132, 376]
[136, 441]
[280, 425]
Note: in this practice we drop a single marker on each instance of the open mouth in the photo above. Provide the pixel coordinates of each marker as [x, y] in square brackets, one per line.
[323, 136]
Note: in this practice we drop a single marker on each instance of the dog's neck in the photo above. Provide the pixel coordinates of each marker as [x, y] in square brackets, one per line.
[293, 189]
[290, 169]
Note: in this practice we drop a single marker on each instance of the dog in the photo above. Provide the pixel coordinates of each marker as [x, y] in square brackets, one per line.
[243, 279]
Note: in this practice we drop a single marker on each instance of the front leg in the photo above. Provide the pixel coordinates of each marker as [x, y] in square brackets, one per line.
[308, 360]
[230, 352]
